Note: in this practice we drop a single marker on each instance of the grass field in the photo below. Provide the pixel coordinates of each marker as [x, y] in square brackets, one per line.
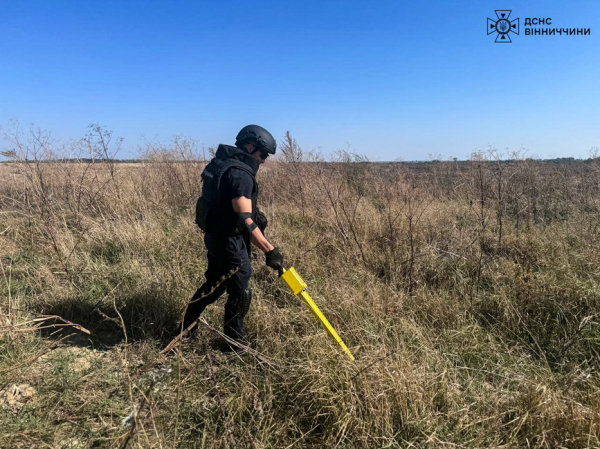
[468, 291]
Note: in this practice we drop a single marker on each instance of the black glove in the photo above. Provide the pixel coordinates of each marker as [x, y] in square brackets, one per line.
[274, 259]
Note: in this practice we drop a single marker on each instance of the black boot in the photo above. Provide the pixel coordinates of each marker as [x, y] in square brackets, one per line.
[236, 308]
[233, 325]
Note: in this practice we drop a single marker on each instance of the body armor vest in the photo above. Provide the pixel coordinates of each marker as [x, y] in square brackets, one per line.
[215, 214]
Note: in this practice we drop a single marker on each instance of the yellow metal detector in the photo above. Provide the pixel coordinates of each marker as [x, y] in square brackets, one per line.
[298, 287]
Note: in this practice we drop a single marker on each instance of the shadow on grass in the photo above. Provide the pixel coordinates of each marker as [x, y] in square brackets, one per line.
[141, 315]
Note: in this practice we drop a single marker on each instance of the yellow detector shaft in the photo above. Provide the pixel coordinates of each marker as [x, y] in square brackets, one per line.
[298, 288]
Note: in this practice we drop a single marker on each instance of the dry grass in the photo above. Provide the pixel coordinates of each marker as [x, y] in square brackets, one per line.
[469, 293]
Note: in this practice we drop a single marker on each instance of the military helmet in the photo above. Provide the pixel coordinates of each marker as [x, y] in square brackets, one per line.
[258, 135]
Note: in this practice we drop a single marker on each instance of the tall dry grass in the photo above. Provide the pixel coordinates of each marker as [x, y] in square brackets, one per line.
[469, 292]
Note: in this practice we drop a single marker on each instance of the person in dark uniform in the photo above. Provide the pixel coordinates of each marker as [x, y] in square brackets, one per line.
[228, 214]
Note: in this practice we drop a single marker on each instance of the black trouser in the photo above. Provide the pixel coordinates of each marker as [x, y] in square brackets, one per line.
[225, 255]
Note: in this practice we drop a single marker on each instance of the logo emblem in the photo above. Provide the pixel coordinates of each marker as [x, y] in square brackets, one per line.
[503, 26]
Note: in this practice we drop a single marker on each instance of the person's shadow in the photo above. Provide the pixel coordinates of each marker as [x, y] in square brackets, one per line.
[146, 313]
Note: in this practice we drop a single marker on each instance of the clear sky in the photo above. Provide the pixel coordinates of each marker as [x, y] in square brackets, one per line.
[391, 79]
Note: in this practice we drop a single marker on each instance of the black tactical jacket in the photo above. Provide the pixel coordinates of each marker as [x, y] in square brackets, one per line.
[214, 211]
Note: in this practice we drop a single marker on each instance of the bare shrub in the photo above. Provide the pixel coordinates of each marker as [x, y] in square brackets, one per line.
[468, 290]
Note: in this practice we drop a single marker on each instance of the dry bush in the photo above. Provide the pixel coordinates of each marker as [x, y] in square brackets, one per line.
[468, 291]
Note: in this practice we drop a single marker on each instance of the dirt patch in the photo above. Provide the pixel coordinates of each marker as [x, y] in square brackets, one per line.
[82, 359]
[16, 396]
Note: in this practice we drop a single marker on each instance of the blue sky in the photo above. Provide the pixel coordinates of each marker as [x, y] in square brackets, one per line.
[389, 79]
